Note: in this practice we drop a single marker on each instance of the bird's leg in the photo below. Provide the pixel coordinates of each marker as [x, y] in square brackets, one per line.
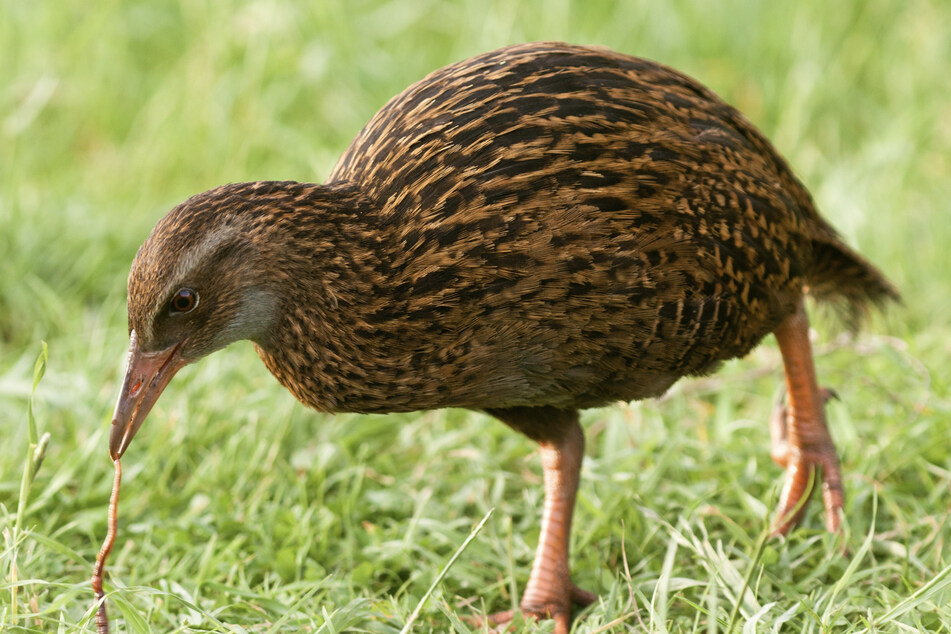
[779, 439]
[801, 440]
[550, 592]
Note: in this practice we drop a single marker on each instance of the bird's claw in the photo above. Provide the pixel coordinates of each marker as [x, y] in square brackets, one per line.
[803, 464]
[559, 612]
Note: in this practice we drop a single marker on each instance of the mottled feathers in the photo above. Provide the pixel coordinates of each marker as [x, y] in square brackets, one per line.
[542, 225]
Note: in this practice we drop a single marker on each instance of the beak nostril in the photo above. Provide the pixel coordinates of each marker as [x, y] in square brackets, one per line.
[146, 376]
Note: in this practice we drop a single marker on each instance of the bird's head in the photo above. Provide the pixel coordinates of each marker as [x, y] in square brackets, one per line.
[196, 285]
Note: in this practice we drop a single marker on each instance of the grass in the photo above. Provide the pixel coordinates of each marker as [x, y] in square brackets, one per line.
[244, 512]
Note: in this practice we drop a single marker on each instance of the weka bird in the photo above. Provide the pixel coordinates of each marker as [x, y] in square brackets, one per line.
[529, 232]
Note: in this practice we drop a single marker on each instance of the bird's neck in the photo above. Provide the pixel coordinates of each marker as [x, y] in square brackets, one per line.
[321, 238]
[325, 250]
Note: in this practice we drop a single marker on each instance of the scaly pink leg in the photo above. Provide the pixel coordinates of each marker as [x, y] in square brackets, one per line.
[801, 442]
[550, 592]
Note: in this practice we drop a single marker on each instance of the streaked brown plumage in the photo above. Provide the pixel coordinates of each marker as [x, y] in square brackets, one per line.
[532, 231]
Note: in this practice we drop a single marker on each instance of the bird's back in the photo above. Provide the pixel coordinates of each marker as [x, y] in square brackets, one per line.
[573, 226]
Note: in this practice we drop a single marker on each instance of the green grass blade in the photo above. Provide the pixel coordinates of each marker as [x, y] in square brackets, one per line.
[938, 584]
[408, 627]
[857, 560]
[39, 369]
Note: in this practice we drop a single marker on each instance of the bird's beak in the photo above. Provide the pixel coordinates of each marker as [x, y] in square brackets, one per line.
[145, 377]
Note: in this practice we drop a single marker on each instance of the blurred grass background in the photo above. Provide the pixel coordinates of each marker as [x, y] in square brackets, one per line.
[243, 511]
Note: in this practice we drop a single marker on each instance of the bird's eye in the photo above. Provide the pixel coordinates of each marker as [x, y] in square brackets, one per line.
[184, 300]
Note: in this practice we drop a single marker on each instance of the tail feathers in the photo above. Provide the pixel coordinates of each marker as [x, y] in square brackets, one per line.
[847, 281]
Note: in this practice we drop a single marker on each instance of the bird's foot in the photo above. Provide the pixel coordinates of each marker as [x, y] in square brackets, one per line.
[558, 610]
[803, 459]
[801, 475]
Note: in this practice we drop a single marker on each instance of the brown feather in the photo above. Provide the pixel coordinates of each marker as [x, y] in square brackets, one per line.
[542, 225]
